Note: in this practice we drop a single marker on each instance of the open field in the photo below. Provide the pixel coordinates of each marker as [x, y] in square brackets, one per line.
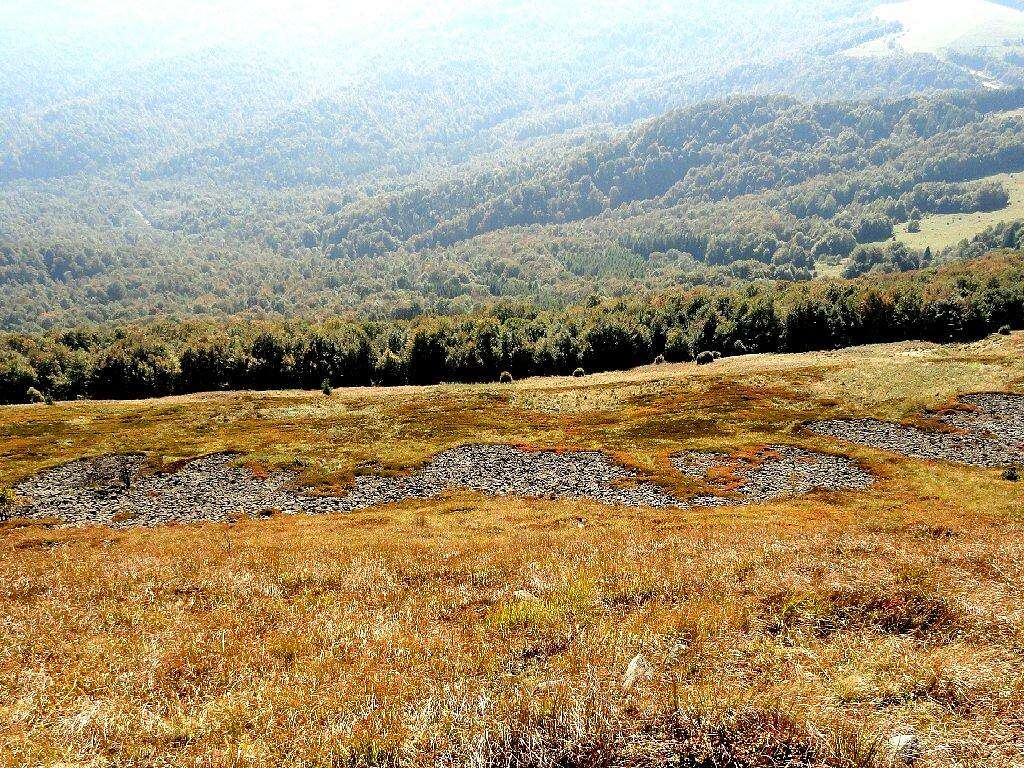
[940, 231]
[935, 26]
[474, 630]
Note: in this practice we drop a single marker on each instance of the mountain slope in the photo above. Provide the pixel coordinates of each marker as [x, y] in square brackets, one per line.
[455, 156]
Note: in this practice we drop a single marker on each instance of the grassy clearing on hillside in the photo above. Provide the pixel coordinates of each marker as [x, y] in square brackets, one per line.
[936, 26]
[941, 231]
[476, 631]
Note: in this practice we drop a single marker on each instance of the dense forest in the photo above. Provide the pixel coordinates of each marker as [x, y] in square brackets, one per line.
[308, 100]
[710, 152]
[957, 302]
[520, 151]
[266, 201]
[749, 187]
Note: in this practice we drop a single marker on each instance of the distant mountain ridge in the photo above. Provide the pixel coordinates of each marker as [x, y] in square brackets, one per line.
[516, 149]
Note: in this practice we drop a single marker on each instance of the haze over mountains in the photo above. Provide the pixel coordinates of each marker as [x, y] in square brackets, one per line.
[941, 27]
[220, 159]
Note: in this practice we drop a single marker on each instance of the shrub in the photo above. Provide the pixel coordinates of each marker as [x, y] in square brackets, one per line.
[337, 352]
[914, 226]
[659, 360]
[705, 357]
[1012, 474]
[890, 258]
[677, 346]
[388, 367]
[326, 388]
[215, 363]
[716, 355]
[6, 504]
[579, 373]
[505, 378]
[873, 229]
[33, 395]
[991, 197]
[1004, 330]
[133, 368]
[16, 376]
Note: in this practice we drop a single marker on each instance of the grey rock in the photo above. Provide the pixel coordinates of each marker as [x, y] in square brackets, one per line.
[905, 749]
[988, 432]
[117, 491]
[778, 471]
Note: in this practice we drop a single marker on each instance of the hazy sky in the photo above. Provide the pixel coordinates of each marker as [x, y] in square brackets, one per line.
[242, 14]
[102, 33]
[175, 24]
[330, 11]
[244, 17]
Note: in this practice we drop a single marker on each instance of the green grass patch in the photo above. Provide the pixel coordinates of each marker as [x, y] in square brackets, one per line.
[940, 231]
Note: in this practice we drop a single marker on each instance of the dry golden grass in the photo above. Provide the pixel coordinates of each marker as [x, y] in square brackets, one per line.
[476, 631]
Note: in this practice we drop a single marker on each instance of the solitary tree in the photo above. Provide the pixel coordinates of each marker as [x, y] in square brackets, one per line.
[6, 504]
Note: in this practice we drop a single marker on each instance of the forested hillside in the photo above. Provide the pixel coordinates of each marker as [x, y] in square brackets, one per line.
[324, 99]
[959, 302]
[747, 187]
[235, 161]
[714, 151]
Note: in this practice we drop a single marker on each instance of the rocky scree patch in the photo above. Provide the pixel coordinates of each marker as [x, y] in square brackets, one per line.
[117, 491]
[776, 472]
[987, 432]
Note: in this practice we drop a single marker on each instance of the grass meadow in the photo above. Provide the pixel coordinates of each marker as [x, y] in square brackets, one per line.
[477, 631]
[940, 231]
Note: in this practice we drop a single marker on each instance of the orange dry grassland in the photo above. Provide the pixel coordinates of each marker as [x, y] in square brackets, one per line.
[477, 631]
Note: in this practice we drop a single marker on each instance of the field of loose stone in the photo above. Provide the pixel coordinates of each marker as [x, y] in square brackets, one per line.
[772, 560]
[116, 491]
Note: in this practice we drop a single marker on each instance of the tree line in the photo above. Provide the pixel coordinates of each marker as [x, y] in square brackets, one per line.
[956, 302]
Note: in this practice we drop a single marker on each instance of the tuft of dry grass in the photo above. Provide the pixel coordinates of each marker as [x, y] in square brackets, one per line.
[894, 608]
[472, 631]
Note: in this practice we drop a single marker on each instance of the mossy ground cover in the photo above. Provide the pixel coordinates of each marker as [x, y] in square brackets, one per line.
[475, 630]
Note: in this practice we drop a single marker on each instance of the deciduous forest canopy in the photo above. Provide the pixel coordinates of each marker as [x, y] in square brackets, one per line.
[390, 167]
[956, 303]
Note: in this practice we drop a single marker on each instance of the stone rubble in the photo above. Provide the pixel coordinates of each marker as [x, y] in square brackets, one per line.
[95, 492]
[504, 470]
[988, 432]
[778, 471]
[117, 491]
